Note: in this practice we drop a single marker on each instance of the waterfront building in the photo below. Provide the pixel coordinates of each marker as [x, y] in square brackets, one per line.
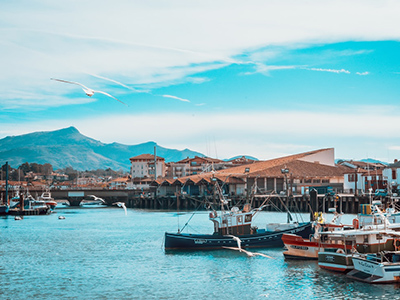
[146, 165]
[292, 175]
[392, 174]
[360, 177]
[196, 165]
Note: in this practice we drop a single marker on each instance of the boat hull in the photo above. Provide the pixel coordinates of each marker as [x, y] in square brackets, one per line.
[300, 248]
[4, 209]
[267, 239]
[335, 261]
[375, 272]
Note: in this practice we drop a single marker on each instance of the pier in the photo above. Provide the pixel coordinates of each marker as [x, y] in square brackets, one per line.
[347, 203]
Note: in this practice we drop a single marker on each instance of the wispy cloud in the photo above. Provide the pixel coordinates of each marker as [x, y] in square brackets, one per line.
[266, 69]
[329, 70]
[114, 81]
[177, 98]
[362, 73]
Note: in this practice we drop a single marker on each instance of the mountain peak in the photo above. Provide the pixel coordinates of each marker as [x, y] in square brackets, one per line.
[70, 129]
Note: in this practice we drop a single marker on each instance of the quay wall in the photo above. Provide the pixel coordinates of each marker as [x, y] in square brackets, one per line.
[299, 203]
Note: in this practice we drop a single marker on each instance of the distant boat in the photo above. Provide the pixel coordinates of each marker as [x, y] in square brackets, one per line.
[30, 204]
[49, 201]
[93, 201]
[63, 203]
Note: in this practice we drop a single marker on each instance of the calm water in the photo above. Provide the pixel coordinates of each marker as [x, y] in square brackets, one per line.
[103, 254]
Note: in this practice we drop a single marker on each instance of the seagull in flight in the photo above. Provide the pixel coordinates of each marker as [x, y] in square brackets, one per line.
[239, 248]
[121, 204]
[88, 91]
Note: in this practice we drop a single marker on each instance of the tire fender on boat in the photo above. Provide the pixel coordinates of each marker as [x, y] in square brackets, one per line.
[340, 251]
[396, 244]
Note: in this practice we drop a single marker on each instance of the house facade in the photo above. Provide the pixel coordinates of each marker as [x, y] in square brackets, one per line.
[147, 166]
[392, 175]
[360, 177]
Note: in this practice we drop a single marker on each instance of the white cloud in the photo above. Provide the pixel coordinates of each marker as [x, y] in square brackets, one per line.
[329, 70]
[162, 42]
[177, 98]
[362, 73]
[265, 69]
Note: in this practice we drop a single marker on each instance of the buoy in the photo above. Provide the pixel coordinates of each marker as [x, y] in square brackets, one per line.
[18, 218]
[61, 217]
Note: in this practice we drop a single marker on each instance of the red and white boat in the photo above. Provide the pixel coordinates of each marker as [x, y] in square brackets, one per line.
[46, 197]
[299, 248]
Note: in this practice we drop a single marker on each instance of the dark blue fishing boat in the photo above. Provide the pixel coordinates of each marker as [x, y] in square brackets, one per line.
[236, 223]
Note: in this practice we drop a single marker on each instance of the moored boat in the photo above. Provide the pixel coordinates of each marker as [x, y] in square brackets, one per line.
[48, 199]
[381, 267]
[232, 223]
[298, 247]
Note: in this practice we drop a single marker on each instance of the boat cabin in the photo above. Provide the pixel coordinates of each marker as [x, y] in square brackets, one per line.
[234, 222]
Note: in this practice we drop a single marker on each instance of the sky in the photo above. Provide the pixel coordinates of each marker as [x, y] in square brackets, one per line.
[224, 78]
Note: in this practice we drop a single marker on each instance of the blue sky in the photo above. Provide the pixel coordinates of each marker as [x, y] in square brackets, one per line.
[225, 78]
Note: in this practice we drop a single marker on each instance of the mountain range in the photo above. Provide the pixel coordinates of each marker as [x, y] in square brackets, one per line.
[69, 148]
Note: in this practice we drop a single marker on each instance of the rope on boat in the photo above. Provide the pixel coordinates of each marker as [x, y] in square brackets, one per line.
[191, 217]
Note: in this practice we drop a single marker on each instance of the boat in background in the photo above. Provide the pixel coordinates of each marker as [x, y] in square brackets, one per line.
[93, 201]
[62, 203]
[48, 199]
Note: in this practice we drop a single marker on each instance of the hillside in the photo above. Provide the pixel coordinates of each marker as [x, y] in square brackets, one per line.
[68, 147]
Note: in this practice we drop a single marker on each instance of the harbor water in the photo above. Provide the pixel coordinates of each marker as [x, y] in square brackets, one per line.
[101, 253]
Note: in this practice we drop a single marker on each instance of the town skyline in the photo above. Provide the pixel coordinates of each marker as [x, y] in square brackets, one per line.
[261, 79]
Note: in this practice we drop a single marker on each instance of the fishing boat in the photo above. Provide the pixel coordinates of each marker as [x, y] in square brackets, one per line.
[298, 247]
[235, 222]
[344, 245]
[31, 206]
[381, 267]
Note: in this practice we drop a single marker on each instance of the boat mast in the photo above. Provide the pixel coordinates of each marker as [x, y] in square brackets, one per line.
[7, 183]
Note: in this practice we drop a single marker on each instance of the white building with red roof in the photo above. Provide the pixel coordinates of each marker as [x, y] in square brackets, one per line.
[147, 166]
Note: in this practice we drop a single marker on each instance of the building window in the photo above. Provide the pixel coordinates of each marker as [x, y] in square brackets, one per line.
[351, 177]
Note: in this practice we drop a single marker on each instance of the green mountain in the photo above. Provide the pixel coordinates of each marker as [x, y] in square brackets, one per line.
[69, 148]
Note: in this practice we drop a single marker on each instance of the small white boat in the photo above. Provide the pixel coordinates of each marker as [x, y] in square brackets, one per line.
[46, 197]
[93, 201]
[382, 267]
[63, 203]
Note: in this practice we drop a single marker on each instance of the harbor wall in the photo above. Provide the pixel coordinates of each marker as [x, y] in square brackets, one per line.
[347, 203]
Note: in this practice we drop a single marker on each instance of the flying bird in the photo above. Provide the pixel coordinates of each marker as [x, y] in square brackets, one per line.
[238, 241]
[121, 204]
[88, 91]
[239, 248]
